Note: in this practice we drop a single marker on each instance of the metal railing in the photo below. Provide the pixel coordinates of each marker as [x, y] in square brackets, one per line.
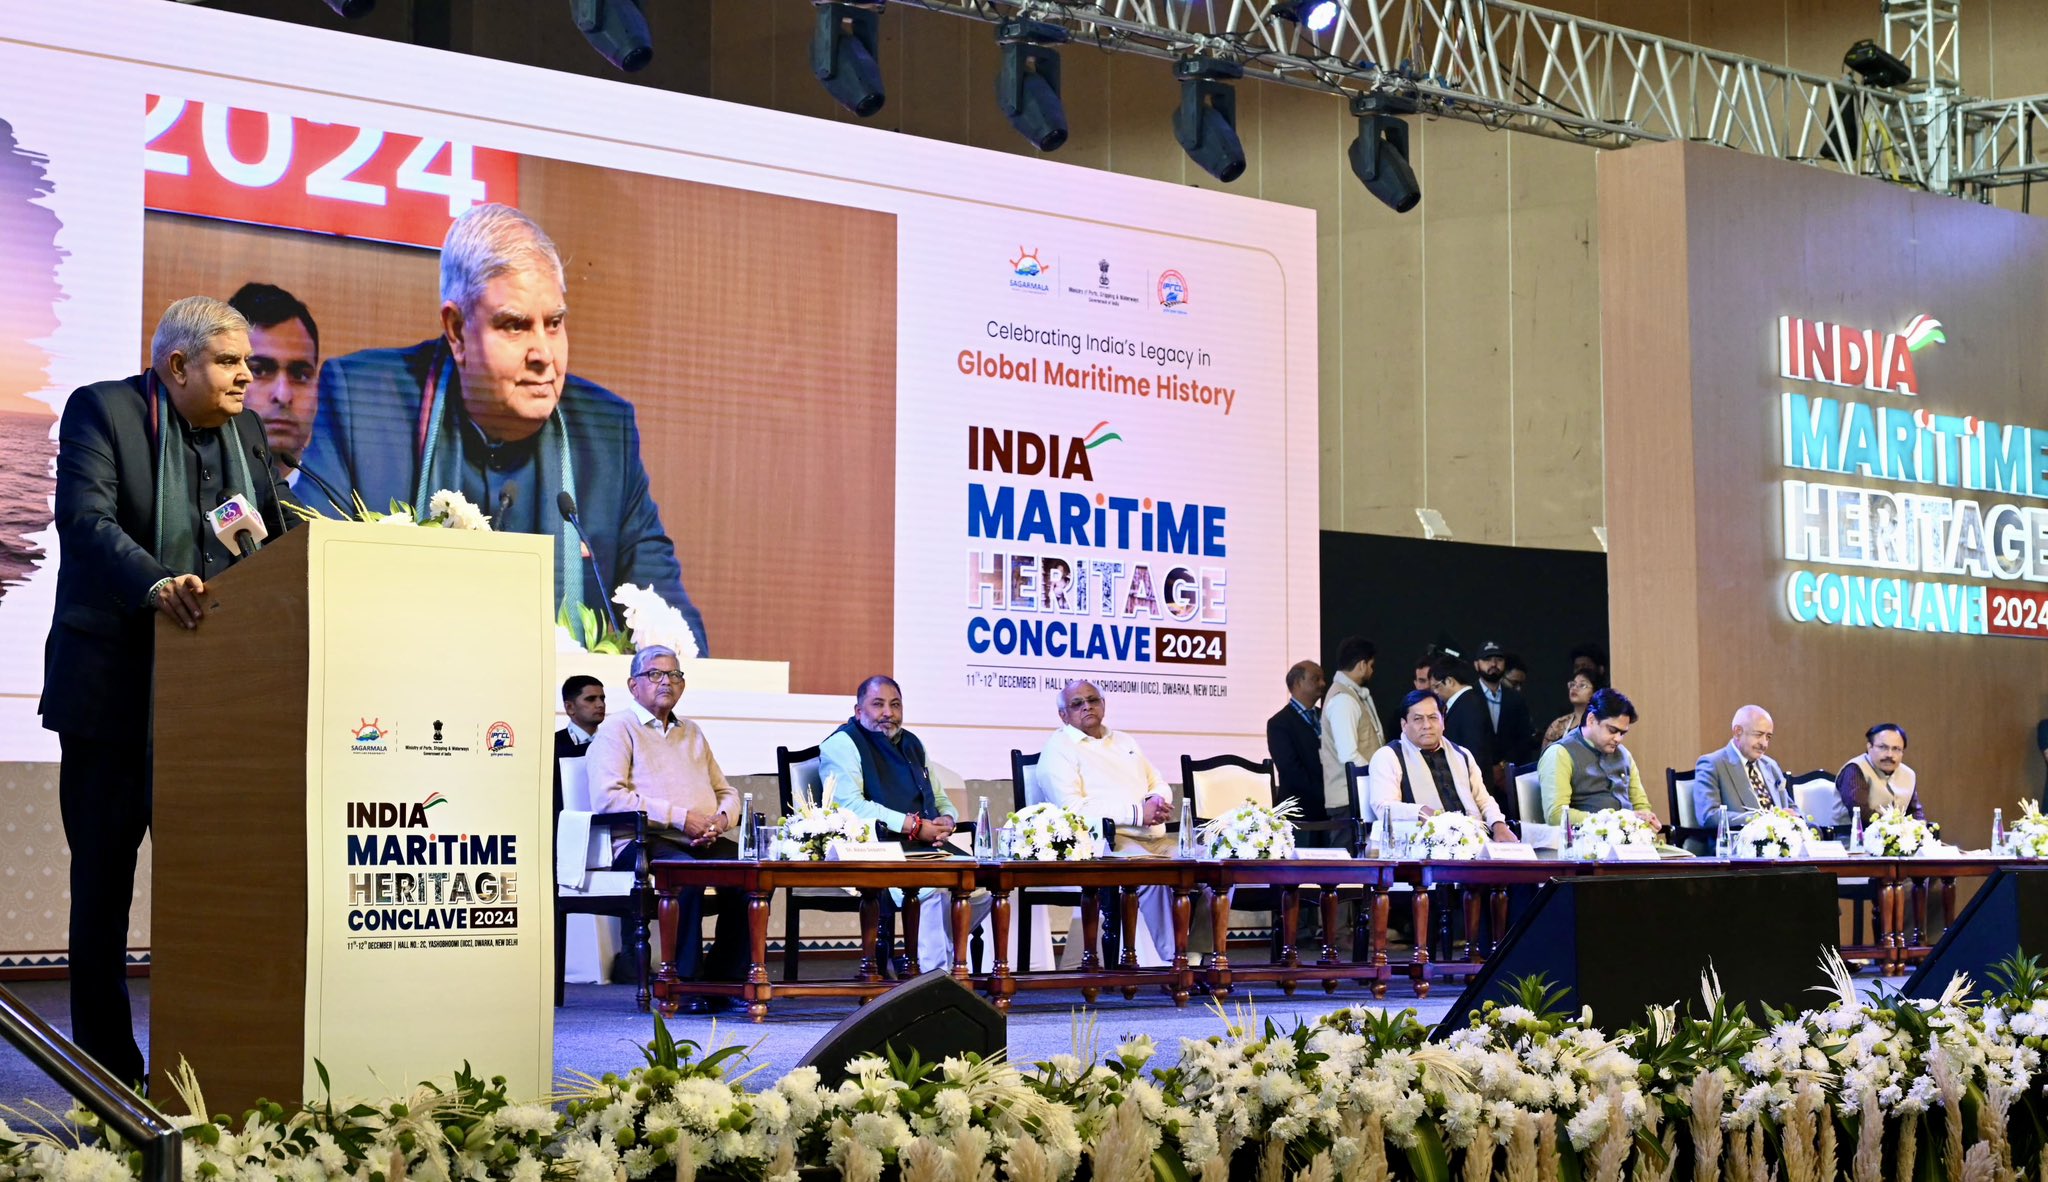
[126, 1114]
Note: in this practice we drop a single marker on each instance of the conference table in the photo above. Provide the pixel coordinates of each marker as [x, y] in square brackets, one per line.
[1902, 932]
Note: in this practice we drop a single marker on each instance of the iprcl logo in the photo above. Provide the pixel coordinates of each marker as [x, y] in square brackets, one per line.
[1173, 292]
[498, 739]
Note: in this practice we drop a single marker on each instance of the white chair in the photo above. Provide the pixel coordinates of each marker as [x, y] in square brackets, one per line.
[1528, 794]
[1686, 829]
[586, 884]
[1818, 802]
[1224, 782]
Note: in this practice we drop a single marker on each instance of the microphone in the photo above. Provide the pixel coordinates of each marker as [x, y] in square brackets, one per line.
[506, 497]
[237, 524]
[333, 498]
[566, 502]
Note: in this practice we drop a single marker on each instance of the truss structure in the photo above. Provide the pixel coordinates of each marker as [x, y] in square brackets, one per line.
[1513, 66]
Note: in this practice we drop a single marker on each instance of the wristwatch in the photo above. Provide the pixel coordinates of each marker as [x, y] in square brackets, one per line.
[155, 591]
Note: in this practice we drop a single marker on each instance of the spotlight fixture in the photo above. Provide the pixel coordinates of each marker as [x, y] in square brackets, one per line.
[1029, 86]
[843, 49]
[351, 9]
[617, 29]
[1379, 156]
[1314, 15]
[1206, 122]
[1875, 66]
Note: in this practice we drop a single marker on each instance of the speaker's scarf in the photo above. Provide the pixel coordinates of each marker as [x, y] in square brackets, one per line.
[176, 543]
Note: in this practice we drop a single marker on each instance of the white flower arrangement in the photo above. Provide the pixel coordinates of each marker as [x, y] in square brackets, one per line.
[452, 510]
[1895, 833]
[1772, 833]
[814, 826]
[2028, 837]
[1252, 831]
[1050, 833]
[1453, 837]
[446, 509]
[652, 620]
[1597, 837]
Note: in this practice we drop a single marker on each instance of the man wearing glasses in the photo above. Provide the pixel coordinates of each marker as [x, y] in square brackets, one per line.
[648, 760]
[1589, 770]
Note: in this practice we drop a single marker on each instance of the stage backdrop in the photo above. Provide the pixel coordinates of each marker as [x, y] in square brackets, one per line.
[982, 422]
[1827, 469]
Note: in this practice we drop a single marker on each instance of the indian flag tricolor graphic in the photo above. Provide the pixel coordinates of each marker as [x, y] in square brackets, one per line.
[1096, 436]
[432, 800]
[1922, 331]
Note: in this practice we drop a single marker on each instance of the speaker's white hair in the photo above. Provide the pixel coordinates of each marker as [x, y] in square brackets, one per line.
[487, 241]
[189, 324]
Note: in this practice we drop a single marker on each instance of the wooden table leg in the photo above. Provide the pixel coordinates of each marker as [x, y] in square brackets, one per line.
[666, 996]
[758, 990]
[1183, 919]
[1289, 900]
[962, 915]
[1473, 952]
[1499, 929]
[1129, 927]
[1418, 970]
[1091, 936]
[1948, 905]
[1920, 939]
[1328, 960]
[1382, 905]
[1000, 985]
[870, 925]
[913, 923]
[1219, 927]
[1888, 926]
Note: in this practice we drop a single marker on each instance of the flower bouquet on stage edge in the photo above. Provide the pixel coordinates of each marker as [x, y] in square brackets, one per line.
[1596, 837]
[446, 509]
[1895, 833]
[1772, 833]
[1450, 837]
[1252, 831]
[1050, 833]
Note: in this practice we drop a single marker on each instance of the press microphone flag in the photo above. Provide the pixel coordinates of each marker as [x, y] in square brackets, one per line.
[237, 524]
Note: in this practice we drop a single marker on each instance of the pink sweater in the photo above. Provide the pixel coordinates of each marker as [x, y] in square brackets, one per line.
[636, 768]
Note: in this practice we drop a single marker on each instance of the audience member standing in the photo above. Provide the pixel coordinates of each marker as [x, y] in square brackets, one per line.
[1351, 723]
[1578, 691]
[1514, 734]
[1294, 737]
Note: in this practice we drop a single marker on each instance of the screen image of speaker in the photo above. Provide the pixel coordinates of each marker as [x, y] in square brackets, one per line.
[1623, 944]
[933, 1015]
[2008, 914]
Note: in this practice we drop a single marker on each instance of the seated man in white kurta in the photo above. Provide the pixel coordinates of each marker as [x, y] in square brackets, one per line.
[1421, 773]
[1101, 773]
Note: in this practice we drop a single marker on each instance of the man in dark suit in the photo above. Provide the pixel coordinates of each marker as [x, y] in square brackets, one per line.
[139, 463]
[1294, 740]
[583, 702]
[1514, 731]
[489, 409]
[1466, 720]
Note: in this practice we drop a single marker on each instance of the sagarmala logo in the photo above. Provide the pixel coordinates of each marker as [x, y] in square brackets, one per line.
[1817, 351]
[1027, 453]
[369, 734]
[1029, 273]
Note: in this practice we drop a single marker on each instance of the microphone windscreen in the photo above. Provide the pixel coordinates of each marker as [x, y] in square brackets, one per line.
[566, 502]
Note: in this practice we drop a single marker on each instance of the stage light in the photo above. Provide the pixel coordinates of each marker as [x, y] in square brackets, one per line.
[617, 29]
[843, 49]
[1379, 156]
[1029, 86]
[351, 9]
[1206, 122]
[1875, 66]
[1314, 15]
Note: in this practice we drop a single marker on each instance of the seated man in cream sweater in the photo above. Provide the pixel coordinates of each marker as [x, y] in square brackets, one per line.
[645, 759]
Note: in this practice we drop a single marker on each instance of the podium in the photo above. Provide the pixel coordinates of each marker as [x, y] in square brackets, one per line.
[353, 817]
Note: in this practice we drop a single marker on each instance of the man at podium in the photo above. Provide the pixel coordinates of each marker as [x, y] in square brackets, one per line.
[156, 475]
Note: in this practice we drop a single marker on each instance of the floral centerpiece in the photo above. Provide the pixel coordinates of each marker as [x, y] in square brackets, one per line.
[1252, 831]
[813, 826]
[1050, 833]
[1600, 834]
[446, 509]
[1895, 833]
[1771, 833]
[2028, 837]
[652, 620]
[1451, 837]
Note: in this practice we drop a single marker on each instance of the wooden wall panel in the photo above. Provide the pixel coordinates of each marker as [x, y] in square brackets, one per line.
[1379, 456]
[742, 50]
[1142, 95]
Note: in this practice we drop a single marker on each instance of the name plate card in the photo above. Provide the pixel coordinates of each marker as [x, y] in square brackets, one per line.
[1632, 853]
[1509, 851]
[863, 851]
[1321, 853]
[1826, 849]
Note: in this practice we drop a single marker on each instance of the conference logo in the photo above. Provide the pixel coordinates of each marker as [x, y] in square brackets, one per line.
[1029, 273]
[369, 736]
[1173, 292]
[1027, 453]
[1844, 355]
[498, 739]
[1112, 287]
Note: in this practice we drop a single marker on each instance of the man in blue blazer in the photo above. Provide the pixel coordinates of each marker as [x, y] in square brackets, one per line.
[140, 463]
[489, 409]
[1739, 779]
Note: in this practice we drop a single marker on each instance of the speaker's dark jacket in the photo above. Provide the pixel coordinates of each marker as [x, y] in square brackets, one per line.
[98, 660]
[1517, 732]
[1296, 749]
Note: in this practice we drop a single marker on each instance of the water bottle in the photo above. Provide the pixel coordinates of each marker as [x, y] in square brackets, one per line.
[1185, 848]
[747, 825]
[1568, 842]
[984, 837]
[1998, 831]
[1724, 841]
[1856, 830]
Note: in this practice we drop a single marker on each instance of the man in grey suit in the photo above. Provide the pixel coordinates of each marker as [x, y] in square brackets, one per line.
[1739, 778]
